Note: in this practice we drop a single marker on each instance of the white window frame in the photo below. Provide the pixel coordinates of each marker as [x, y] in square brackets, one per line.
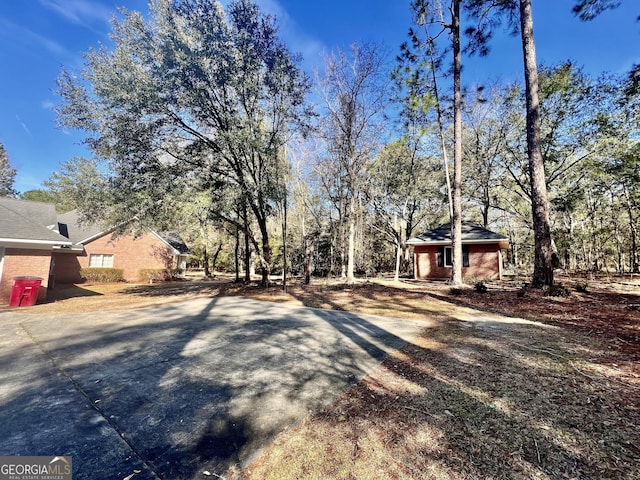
[1, 261]
[448, 255]
[101, 260]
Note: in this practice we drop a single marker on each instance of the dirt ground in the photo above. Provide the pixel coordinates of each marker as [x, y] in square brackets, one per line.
[477, 396]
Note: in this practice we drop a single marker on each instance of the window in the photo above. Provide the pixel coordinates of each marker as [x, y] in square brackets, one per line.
[448, 257]
[445, 256]
[100, 261]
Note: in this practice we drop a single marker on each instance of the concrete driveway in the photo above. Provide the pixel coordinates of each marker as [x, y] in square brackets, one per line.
[176, 390]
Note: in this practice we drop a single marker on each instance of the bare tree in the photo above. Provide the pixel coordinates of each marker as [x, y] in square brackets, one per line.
[354, 89]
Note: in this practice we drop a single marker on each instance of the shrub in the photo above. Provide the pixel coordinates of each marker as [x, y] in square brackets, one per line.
[582, 287]
[151, 275]
[480, 286]
[455, 291]
[102, 275]
[558, 290]
[523, 290]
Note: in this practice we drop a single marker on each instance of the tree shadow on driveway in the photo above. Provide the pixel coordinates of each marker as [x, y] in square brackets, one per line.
[174, 390]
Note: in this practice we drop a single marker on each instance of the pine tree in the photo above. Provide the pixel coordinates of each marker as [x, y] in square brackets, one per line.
[7, 175]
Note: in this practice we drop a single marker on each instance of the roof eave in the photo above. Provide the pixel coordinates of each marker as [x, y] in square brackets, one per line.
[92, 238]
[73, 248]
[25, 241]
[446, 243]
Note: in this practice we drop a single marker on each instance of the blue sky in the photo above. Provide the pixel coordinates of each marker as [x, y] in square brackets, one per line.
[39, 37]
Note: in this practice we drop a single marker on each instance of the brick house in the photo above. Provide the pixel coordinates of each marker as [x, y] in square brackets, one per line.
[28, 235]
[92, 246]
[481, 251]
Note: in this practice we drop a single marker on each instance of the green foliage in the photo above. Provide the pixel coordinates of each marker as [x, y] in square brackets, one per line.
[632, 83]
[7, 175]
[192, 106]
[480, 286]
[102, 275]
[79, 184]
[150, 275]
[191, 92]
[590, 9]
[38, 195]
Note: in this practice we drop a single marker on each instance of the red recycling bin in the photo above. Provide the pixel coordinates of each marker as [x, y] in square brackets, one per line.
[24, 292]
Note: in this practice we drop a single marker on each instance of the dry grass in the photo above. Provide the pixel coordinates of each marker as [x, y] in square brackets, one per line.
[463, 402]
[85, 298]
[478, 395]
[474, 397]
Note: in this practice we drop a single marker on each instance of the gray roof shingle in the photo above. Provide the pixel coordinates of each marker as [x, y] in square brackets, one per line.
[70, 227]
[470, 234]
[175, 241]
[78, 233]
[27, 221]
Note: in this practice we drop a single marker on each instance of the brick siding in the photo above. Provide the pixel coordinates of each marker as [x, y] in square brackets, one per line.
[22, 262]
[485, 262]
[66, 267]
[129, 253]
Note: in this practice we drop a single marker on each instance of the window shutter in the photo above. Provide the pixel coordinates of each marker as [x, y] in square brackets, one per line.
[465, 256]
[441, 256]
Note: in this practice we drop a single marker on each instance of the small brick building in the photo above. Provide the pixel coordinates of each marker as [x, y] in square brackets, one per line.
[481, 252]
[28, 235]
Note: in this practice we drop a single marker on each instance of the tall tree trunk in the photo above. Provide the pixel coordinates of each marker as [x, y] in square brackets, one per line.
[215, 257]
[443, 145]
[205, 261]
[486, 205]
[332, 255]
[236, 254]
[456, 218]
[205, 253]
[265, 260]
[543, 253]
[351, 245]
[396, 276]
[284, 241]
[247, 247]
[398, 237]
[307, 253]
[633, 253]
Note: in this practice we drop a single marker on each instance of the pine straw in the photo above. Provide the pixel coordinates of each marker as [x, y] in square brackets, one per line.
[471, 402]
[476, 396]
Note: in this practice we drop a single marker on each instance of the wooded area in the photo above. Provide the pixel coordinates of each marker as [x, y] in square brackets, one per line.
[201, 120]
